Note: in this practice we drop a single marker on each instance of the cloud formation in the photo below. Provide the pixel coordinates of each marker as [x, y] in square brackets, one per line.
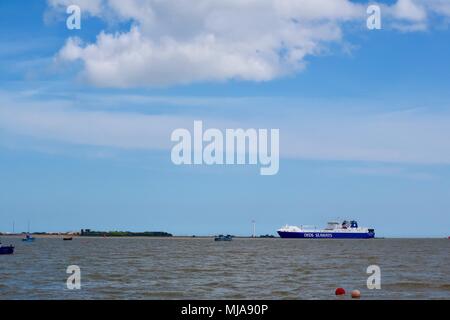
[179, 42]
[182, 41]
[393, 137]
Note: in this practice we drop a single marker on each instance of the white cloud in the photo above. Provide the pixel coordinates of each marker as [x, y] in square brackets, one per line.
[130, 59]
[92, 7]
[60, 121]
[439, 7]
[407, 15]
[417, 137]
[178, 42]
[409, 10]
[404, 137]
[415, 15]
[184, 41]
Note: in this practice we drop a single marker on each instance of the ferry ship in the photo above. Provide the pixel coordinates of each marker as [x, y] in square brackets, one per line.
[334, 230]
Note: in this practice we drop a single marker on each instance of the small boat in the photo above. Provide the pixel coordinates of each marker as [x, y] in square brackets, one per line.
[28, 238]
[223, 238]
[6, 249]
[67, 238]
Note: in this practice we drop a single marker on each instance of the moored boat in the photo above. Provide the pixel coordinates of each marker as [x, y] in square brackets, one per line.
[221, 237]
[334, 230]
[28, 238]
[6, 249]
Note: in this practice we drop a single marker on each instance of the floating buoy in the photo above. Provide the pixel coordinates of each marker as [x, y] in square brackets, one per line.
[340, 291]
[356, 294]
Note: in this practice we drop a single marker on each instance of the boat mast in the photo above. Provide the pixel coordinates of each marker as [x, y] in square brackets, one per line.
[254, 228]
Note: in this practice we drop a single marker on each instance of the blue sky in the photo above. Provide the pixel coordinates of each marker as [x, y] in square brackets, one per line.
[363, 116]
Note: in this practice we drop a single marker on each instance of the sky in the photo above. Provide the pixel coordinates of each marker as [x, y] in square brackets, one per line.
[86, 115]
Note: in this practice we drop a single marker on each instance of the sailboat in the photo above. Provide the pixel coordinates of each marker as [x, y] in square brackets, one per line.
[28, 237]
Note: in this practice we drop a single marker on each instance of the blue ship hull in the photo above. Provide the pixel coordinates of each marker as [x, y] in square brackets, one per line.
[326, 235]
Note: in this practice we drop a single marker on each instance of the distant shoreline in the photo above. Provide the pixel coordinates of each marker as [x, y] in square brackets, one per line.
[61, 236]
[55, 236]
[21, 235]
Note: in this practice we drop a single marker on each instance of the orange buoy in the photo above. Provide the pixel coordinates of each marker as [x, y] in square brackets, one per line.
[340, 291]
[356, 294]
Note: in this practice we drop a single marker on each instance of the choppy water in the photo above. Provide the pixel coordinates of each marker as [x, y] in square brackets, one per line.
[149, 268]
